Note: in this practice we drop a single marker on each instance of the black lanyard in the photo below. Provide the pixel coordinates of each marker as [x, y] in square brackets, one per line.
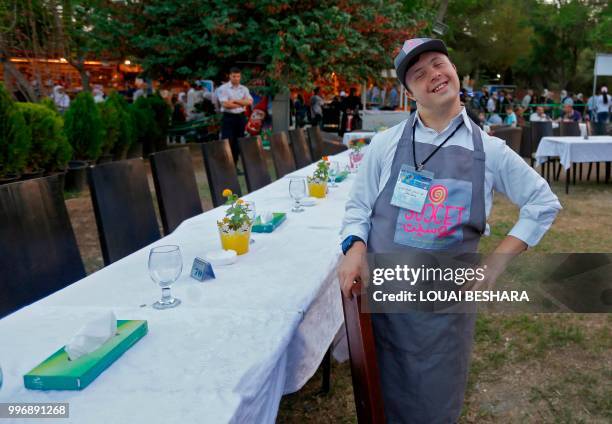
[420, 167]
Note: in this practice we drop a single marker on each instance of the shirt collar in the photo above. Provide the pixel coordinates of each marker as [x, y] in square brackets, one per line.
[456, 119]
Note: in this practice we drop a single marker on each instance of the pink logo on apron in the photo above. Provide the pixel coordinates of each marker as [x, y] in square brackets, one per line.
[439, 224]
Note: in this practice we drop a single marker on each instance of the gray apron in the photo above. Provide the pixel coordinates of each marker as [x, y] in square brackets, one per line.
[424, 357]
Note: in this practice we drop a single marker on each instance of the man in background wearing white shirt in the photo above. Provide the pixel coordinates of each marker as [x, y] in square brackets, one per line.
[234, 98]
[423, 356]
[539, 115]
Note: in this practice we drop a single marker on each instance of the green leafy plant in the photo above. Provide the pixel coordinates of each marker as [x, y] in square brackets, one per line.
[15, 136]
[126, 134]
[321, 173]
[151, 120]
[110, 125]
[358, 144]
[49, 104]
[83, 127]
[50, 148]
[236, 216]
[161, 115]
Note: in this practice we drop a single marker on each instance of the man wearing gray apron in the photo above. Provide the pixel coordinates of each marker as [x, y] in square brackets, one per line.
[424, 357]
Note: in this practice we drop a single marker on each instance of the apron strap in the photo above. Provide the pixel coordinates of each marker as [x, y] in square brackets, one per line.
[478, 217]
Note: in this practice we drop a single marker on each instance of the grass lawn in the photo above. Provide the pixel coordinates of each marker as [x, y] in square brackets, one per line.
[526, 368]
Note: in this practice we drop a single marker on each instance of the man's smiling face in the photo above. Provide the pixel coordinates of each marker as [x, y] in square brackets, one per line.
[433, 80]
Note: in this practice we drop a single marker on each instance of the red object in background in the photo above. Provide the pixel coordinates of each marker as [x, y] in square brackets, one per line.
[349, 122]
[257, 116]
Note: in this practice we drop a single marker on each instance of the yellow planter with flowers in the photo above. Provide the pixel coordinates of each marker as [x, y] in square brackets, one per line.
[317, 184]
[235, 227]
[317, 190]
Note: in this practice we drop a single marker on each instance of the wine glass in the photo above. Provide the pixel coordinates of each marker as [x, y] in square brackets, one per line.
[165, 267]
[252, 213]
[297, 190]
[334, 170]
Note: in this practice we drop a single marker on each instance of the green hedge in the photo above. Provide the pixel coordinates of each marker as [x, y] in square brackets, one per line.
[151, 121]
[83, 127]
[50, 148]
[15, 137]
[118, 125]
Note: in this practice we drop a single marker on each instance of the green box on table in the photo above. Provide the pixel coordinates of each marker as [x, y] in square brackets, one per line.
[57, 372]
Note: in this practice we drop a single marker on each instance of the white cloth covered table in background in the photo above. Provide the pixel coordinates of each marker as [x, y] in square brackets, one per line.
[575, 149]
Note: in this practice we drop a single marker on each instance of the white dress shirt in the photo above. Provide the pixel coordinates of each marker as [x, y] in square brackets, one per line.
[229, 92]
[505, 172]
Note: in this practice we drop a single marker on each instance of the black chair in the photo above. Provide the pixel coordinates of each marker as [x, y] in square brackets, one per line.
[333, 147]
[525, 149]
[281, 155]
[512, 137]
[321, 147]
[569, 129]
[538, 131]
[316, 142]
[38, 250]
[364, 366]
[175, 184]
[254, 163]
[220, 170]
[300, 148]
[123, 206]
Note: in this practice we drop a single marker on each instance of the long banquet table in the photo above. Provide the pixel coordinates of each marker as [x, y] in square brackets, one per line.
[233, 347]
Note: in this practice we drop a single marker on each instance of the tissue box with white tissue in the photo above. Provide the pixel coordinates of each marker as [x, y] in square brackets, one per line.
[92, 351]
[268, 222]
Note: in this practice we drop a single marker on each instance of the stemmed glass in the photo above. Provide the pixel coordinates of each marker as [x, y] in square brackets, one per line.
[334, 170]
[165, 267]
[252, 213]
[297, 190]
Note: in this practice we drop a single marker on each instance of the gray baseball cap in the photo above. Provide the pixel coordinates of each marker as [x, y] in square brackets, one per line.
[410, 51]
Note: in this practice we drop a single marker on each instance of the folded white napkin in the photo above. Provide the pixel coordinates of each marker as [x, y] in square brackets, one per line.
[92, 335]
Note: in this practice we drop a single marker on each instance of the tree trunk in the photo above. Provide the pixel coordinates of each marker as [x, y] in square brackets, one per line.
[79, 65]
[23, 84]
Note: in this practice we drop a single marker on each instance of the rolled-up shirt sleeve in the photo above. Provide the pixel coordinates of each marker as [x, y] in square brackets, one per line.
[363, 194]
[528, 190]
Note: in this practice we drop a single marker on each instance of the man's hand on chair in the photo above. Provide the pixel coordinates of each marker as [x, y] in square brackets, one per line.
[353, 268]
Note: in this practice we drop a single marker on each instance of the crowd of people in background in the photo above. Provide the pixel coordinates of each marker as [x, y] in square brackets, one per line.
[501, 108]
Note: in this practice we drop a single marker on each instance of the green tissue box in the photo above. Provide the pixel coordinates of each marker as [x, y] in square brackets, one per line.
[341, 176]
[267, 227]
[57, 372]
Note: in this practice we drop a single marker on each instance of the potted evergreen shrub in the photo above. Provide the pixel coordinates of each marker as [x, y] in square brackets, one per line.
[144, 127]
[15, 139]
[124, 127]
[49, 149]
[161, 116]
[83, 128]
[110, 129]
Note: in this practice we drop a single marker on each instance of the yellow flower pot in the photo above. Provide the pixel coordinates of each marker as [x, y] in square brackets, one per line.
[317, 190]
[238, 241]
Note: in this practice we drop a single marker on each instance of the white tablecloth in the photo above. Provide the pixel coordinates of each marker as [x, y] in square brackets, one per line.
[373, 119]
[347, 137]
[575, 149]
[234, 345]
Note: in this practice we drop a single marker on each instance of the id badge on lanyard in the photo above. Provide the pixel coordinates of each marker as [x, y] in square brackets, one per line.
[411, 188]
